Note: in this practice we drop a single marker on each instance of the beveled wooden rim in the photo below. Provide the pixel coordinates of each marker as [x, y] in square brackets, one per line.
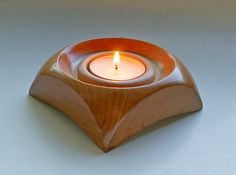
[158, 56]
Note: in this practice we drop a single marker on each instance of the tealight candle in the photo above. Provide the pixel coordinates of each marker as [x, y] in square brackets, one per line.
[116, 69]
[124, 68]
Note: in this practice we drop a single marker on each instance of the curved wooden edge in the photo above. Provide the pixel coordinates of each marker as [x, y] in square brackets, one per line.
[61, 96]
[165, 103]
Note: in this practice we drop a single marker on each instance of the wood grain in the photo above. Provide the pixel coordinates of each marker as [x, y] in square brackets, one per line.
[111, 115]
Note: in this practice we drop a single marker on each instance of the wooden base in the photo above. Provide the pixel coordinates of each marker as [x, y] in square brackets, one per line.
[109, 115]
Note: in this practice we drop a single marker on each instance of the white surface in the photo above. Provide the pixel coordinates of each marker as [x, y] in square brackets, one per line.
[37, 139]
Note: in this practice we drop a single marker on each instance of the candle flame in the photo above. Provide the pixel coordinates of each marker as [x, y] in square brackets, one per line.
[116, 60]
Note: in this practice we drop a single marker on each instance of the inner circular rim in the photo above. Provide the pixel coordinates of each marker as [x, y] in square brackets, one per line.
[85, 75]
[70, 57]
[128, 55]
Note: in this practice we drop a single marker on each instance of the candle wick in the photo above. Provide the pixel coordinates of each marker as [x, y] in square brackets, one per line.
[116, 67]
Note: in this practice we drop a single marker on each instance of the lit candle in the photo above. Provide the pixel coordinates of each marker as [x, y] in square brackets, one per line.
[116, 67]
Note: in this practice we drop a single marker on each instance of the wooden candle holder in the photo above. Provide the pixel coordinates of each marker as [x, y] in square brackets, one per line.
[109, 114]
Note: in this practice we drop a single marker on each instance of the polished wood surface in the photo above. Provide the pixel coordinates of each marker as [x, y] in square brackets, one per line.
[110, 115]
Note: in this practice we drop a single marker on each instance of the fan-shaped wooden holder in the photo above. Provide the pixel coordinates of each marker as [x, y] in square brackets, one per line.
[109, 115]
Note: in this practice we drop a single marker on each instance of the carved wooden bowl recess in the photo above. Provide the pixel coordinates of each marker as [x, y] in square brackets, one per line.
[108, 114]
